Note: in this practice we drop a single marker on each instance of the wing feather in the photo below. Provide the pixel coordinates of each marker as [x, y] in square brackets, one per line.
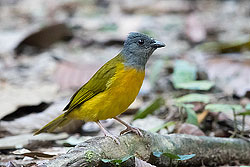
[96, 85]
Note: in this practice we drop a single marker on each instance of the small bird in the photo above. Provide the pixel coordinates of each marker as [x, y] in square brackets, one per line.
[112, 88]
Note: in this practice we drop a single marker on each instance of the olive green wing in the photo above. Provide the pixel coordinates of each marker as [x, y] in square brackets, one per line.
[96, 85]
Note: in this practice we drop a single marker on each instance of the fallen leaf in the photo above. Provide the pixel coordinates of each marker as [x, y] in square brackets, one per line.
[156, 104]
[12, 164]
[26, 96]
[184, 77]
[191, 116]
[32, 154]
[223, 108]
[235, 79]
[202, 116]
[141, 163]
[195, 29]
[73, 75]
[35, 121]
[190, 129]
[26, 110]
[195, 97]
[165, 125]
[148, 123]
[227, 47]
[45, 37]
[22, 141]
[73, 140]
[196, 85]
[151, 7]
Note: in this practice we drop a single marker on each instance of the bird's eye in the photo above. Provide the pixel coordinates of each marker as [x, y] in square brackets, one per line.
[141, 41]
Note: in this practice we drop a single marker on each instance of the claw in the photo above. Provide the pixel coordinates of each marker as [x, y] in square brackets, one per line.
[129, 128]
[114, 138]
[108, 134]
[132, 129]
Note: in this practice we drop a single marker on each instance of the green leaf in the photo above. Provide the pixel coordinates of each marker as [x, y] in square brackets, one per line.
[244, 113]
[171, 156]
[108, 27]
[247, 107]
[228, 47]
[195, 85]
[186, 157]
[106, 160]
[183, 72]
[195, 97]
[174, 156]
[157, 103]
[166, 125]
[184, 77]
[223, 107]
[157, 154]
[191, 116]
[117, 161]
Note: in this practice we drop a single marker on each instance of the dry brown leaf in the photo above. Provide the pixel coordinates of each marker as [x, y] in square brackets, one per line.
[72, 75]
[190, 129]
[141, 163]
[231, 75]
[155, 7]
[195, 30]
[35, 121]
[12, 97]
[45, 37]
[202, 116]
[21, 141]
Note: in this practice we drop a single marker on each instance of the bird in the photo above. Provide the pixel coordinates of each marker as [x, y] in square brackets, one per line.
[111, 89]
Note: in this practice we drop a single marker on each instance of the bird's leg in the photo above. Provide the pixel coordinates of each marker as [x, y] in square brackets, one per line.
[107, 133]
[129, 127]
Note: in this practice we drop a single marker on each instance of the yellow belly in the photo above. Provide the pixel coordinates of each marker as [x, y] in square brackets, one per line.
[121, 92]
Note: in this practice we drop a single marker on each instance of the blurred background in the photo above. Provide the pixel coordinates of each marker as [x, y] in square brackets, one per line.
[48, 49]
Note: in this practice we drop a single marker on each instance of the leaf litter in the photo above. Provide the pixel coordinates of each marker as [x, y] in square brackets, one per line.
[207, 86]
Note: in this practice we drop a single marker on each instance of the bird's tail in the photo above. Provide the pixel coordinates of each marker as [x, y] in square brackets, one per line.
[51, 126]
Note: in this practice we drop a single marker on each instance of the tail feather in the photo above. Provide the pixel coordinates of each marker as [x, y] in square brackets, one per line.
[51, 126]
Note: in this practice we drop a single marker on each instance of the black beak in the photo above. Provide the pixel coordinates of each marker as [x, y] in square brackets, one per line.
[157, 44]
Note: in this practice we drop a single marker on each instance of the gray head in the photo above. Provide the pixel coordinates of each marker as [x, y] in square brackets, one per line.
[138, 48]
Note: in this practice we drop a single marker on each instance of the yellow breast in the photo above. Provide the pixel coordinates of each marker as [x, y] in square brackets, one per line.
[121, 91]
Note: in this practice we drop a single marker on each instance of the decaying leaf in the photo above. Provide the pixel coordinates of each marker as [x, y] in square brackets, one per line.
[202, 116]
[155, 8]
[235, 79]
[34, 121]
[141, 163]
[190, 129]
[45, 37]
[195, 30]
[22, 141]
[73, 75]
[227, 47]
[148, 123]
[26, 96]
[32, 154]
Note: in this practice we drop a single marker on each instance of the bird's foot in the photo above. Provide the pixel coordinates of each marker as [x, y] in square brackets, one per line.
[132, 129]
[108, 134]
[113, 137]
